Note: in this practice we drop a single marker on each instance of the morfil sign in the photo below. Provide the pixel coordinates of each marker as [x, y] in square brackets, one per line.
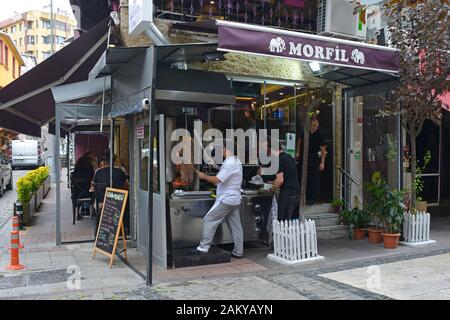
[140, 15]
[238, 37]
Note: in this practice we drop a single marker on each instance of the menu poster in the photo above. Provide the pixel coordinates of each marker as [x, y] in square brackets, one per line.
[111, 223]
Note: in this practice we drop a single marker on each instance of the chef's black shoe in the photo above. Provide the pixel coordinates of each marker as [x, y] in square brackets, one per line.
[236, 256]
[196, 251]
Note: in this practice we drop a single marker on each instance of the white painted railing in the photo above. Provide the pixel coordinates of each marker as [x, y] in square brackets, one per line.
[416, 227]
[294, 241]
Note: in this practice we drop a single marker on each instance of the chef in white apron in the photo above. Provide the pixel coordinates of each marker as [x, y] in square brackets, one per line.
[227, 205]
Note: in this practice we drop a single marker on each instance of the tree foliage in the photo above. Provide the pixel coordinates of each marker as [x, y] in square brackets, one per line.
[420, 32]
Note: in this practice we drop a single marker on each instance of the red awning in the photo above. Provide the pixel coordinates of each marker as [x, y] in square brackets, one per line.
[445, 98]
[27, 103]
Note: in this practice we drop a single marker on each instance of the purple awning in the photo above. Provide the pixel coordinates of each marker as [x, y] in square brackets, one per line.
[27, 103]
[239, 37]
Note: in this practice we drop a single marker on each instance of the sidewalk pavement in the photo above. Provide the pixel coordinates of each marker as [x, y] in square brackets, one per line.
[69, 272]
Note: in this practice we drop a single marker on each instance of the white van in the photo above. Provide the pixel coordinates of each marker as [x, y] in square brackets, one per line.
[26, 153]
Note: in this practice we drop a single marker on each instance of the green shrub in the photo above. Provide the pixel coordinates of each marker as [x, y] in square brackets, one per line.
[24, 189]
[30, 183]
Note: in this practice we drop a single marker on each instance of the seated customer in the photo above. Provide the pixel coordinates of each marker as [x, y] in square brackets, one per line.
[101, 181]
[81, 179]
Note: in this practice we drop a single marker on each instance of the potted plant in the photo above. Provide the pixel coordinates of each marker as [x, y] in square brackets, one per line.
[337, 205]
[377, 189]
[26, 197]
[393, 218]
[358, 219]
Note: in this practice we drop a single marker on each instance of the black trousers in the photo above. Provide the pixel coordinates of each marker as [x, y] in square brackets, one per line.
[288, 202]
[312, 181]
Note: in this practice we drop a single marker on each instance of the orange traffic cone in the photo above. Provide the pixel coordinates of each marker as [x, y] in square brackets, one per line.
[15, 264]
[15, 227]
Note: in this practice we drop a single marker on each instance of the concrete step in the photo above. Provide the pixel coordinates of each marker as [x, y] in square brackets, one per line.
[319, 208]
[325, 219]
[333, 232]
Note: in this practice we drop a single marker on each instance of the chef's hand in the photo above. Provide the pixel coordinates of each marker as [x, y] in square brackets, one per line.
[321, 166]
[200, 174]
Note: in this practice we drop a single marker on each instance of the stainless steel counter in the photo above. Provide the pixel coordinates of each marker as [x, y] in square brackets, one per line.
[186, 216]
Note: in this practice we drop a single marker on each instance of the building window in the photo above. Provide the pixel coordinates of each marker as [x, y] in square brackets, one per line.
[13, 29]
[46, 24]
[14, 67]
[20, 26]
[1, 52]
[20, 41]
[15, 42]
[59, 40]
[45, 55]
[29, 24]
[29, 40]
[6, 56]
[60, 25]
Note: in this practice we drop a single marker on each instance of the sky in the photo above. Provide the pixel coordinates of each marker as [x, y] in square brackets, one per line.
[11, 7]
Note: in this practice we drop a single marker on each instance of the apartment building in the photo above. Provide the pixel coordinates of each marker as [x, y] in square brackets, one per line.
[31, 32]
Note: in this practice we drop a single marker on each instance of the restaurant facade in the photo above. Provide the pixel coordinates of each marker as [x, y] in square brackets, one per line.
[211, 71]
[236, 75]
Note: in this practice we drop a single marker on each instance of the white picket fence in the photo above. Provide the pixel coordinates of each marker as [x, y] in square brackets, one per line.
[294, 242]
[416, 229]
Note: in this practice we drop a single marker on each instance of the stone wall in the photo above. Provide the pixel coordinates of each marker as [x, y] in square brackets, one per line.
[235, 64]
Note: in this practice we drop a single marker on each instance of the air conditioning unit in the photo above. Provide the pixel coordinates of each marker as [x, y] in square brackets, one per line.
[336, 19]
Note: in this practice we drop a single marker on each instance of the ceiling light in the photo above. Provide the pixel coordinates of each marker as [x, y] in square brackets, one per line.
[314, 66]
[212, 2]
[281, 93]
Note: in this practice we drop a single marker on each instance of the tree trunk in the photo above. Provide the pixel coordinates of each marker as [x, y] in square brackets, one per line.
[306, 125]
[412, 129]
[304, 167]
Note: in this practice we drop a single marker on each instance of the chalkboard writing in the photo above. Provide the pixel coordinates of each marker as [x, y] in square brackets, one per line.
[111, 224]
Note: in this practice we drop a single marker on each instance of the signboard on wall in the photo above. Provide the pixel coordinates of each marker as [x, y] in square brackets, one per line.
[140, 14]
[140, 131]
[240, 37]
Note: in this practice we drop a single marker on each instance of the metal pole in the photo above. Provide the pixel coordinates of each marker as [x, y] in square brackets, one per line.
[68, 158]
[264, 107]
[231, 107]
[57, 164]
[111, 154]
[52, 26]
[150, 201]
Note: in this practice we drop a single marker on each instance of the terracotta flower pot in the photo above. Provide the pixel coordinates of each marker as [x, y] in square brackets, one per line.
[359, 234]
[375, 235]
[391, 240]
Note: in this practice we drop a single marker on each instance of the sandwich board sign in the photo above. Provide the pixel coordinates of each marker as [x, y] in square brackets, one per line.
[140, 14]
[111, 224]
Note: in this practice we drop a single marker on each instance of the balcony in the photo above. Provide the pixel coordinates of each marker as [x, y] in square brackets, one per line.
[298, 15]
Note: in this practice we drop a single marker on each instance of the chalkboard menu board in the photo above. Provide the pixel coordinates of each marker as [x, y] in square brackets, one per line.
[111, 222]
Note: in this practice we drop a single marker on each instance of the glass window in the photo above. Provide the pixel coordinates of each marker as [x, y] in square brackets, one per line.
[29, 24]
[380, 143]
[144, 148]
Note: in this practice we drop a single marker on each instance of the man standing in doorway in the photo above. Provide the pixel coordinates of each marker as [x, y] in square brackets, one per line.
[227, 204]
[316, 163]
[285, 180]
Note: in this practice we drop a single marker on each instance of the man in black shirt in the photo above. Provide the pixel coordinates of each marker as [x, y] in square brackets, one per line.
[285, 180]
[316, 164]
[101, 181]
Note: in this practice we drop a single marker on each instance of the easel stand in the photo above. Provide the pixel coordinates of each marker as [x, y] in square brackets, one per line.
[111, 256]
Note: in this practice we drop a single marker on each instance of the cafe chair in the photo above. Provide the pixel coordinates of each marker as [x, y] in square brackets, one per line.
[81, 196]
[99, 194]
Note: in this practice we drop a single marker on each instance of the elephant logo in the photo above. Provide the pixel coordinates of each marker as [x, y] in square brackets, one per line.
[358, 56]
[277, 45]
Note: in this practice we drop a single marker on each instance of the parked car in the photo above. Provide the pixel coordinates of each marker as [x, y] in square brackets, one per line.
[26, 153]
[6, 178]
